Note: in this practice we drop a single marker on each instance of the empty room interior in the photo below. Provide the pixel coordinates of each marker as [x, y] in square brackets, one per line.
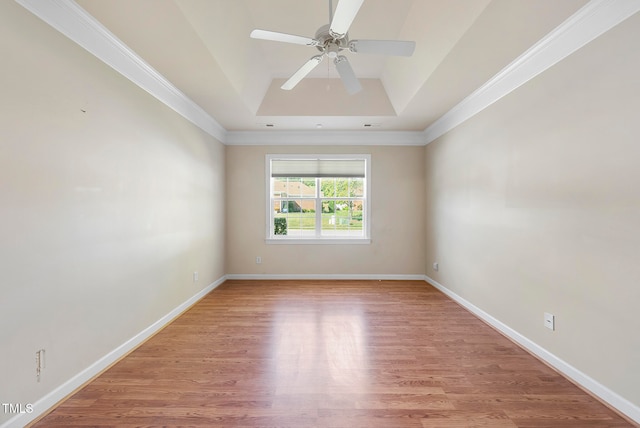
[318, 213]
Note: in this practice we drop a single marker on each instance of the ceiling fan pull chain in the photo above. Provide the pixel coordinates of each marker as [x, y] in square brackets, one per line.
[328, 75]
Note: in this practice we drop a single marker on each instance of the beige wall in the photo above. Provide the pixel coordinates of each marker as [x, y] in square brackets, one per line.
[104, 215]
[533, 206]
[397, 217]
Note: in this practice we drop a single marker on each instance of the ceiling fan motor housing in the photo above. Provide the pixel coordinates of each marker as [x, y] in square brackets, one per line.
[328, 44]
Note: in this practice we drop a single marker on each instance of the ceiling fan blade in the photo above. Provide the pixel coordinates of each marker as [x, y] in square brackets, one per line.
[349, 79]
[302, 72]
[383, 47]
[282, 37]
[346, 12]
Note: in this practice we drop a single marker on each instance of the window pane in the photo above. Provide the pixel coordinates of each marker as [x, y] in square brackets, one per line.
[328, 187]
[356, 187]
[294, 187]
[280, 225]
[279, 187]
[335, 187]
[342, 218]
[357, 212]
[308, 188]
[302, 188]
[299, 215]
[342, 187]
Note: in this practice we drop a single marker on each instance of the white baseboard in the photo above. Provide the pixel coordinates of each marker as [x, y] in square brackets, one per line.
[51, 399]
[614, 400]
[339, 276]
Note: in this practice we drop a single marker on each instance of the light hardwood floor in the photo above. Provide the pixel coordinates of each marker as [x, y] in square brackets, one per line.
[330, 354]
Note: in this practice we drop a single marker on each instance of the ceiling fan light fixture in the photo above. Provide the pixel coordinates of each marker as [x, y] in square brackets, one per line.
[332, 50]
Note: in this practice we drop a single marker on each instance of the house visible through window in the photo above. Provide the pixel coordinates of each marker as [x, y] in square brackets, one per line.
[320, 198]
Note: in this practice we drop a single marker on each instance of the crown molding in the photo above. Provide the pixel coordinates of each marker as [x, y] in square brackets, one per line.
[591, 21]
[588, 23]
[325, 138]
[73, 21]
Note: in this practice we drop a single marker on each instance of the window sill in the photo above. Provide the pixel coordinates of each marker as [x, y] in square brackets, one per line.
[318, 241]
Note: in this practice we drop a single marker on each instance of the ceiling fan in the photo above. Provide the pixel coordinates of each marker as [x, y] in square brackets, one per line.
[333, 38]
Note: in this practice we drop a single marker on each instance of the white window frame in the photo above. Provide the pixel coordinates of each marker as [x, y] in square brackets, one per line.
[288, 239]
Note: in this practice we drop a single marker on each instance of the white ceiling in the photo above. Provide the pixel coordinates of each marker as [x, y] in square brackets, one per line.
[203, 48]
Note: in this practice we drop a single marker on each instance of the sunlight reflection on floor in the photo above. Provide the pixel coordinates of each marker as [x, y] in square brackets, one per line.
[321, 350]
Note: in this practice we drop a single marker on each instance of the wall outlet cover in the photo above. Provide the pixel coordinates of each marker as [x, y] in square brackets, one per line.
[549, 321]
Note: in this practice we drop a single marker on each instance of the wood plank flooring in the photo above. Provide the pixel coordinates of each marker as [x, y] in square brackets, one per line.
[330, 354]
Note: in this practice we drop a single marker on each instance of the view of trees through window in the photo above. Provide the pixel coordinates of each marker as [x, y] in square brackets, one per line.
[318, 206]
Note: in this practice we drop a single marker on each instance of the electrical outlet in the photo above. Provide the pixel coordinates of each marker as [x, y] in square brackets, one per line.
[195, 276]
[436, 266]
[258, 260]
[549, 321]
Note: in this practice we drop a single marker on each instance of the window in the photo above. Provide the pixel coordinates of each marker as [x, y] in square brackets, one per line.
[318, 198]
